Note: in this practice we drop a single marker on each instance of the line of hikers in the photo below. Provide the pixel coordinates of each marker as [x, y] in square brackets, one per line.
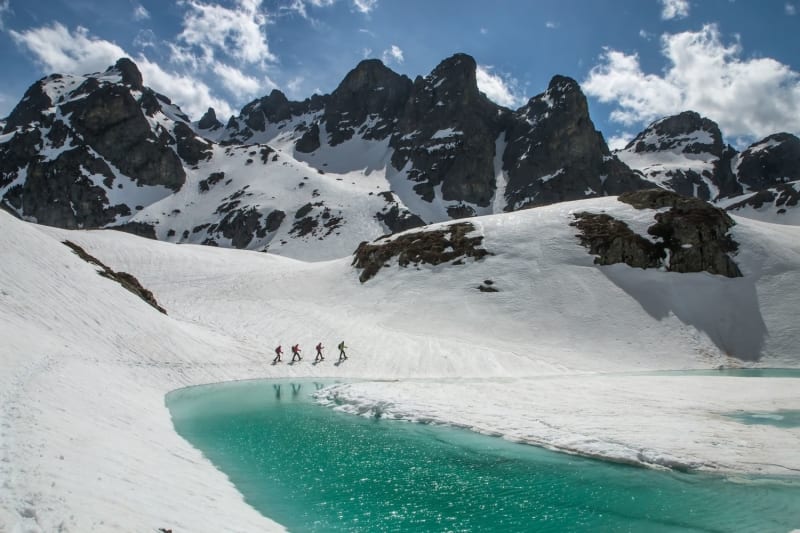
[297, 357]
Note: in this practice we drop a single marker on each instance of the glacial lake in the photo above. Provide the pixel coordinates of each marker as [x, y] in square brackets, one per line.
[311, 468]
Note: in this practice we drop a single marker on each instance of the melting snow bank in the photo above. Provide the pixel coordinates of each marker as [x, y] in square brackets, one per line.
[676, 422]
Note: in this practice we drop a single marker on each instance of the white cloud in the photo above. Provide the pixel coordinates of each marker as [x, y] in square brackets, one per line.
[484, 31]
[238, 83]
[746, 97]
[237, 32]
[145, 39]
[57, 49]
[498, 88]
[365, 6]
[294, 86]
[620, 140]
[140, 13]
[550, 25]
[366, 52]
[5, 7]
[790, 9]
[646, 35]
[674, 9]
[393, 55]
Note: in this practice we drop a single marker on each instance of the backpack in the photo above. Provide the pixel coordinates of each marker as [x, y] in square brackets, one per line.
[278, 350]
[341, 345]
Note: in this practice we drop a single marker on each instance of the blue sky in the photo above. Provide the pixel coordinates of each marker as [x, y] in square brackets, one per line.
[735, 61]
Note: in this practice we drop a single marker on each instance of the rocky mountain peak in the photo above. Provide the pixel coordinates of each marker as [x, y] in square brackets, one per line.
[209, 120]
[31, 108]
[369, 90]
[686, 132]
[771, 161]
[129, 72]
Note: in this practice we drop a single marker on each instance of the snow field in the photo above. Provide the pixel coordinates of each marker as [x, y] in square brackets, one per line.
[88, 364]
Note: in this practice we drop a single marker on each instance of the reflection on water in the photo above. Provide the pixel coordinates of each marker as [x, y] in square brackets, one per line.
[313, 469]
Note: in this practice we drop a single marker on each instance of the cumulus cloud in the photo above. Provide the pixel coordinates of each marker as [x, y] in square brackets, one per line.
[790, 9]
[393, 55]
[498, 88]
[674, 9]
[238, 83]
[140, 13]
[747, 97]
[57, 49]
[237, 32]
[364, 6]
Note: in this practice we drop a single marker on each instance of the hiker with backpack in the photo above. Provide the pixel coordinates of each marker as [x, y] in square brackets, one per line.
[342, 348]
[296, 353]
[278, 353]
[319, 356]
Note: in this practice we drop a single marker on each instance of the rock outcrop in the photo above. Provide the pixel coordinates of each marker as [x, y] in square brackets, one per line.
[693, 235]
[432, 247]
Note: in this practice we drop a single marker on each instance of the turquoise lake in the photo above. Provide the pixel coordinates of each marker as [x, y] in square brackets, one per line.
[313, 469]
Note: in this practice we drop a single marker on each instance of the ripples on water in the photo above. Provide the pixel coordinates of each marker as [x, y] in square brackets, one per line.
[313, 469]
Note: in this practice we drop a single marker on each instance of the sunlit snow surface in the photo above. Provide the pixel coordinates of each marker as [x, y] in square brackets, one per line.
[87, 444]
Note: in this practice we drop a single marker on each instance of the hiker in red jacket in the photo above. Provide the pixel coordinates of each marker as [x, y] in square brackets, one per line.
[278, 353]
[319, 357]
[296, 353]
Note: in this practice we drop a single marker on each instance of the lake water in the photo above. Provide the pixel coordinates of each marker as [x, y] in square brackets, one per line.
[313, 469]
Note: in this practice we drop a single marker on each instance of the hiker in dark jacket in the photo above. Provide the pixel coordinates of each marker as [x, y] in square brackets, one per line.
[278, 353]
[342, 348]
[319, 356]
[296, 353]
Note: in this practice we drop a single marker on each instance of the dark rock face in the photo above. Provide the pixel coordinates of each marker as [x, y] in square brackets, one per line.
[428, 247]
[554, 153]
[29, 109]
[130, 73]
[110, 120]
[770, 162]
[58, 193]
[370, 90]
[191, 148]
[209, 121]
[446, 134]
[612, 241]
[140, 229]
[781, 198]
[396, 217]
[309, 142]
[693, 235]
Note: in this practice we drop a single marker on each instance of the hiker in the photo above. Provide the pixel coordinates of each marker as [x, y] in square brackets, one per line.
[278, 353]
[342, 348]
[296, 353]
[319, 357]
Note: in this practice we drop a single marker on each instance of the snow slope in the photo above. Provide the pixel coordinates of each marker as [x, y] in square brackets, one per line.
[87, 365]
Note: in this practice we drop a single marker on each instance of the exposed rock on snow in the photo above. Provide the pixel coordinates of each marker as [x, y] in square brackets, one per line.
[693, 235]
[432, 247]
[128, 281]
[612, 241]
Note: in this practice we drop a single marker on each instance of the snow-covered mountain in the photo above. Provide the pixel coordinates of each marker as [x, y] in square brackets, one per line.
[306, 179]
[685, 153]
[380, 154]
